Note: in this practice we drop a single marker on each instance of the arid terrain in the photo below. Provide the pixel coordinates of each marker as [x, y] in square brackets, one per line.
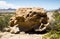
[53, 33]
[22, 35]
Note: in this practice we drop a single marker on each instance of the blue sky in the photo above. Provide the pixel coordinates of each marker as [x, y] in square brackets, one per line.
[47, 4]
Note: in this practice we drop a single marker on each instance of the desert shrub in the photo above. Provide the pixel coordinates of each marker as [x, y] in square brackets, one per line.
[57, 20]
[55, 32]
[52, 35]
[57, 15]
[4, 21]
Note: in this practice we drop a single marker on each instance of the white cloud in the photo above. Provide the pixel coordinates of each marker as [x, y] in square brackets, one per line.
[4, 4]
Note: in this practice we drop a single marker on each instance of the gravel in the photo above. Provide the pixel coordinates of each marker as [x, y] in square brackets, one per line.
[22, 35]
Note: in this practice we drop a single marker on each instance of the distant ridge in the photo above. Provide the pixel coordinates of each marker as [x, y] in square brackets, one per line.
[7, 10]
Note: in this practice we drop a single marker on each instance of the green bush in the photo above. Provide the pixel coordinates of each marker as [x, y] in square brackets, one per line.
[4, 21]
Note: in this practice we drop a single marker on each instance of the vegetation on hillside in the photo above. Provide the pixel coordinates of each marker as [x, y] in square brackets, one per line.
[55, 32]
[4, 19]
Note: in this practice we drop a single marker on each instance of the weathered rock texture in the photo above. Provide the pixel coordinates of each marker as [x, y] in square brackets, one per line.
[26, 19]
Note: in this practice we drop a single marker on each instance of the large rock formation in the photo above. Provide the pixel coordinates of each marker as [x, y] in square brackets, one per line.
[26, 19]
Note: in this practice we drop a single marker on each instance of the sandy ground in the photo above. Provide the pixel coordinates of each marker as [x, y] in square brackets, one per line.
[22, 35]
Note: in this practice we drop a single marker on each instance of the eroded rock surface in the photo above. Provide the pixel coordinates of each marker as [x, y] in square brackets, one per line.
[26, 19]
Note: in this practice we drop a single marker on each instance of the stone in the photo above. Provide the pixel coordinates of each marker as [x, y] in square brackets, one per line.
[29, 18]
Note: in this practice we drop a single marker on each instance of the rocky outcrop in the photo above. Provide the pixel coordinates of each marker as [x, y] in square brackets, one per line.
[26, 19]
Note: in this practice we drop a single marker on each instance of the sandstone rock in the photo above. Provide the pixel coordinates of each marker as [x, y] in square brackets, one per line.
[29, 18]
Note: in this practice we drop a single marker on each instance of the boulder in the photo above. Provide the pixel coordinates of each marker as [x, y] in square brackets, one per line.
[29, 18]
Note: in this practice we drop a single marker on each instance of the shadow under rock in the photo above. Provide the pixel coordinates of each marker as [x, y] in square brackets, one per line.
[37, 32]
